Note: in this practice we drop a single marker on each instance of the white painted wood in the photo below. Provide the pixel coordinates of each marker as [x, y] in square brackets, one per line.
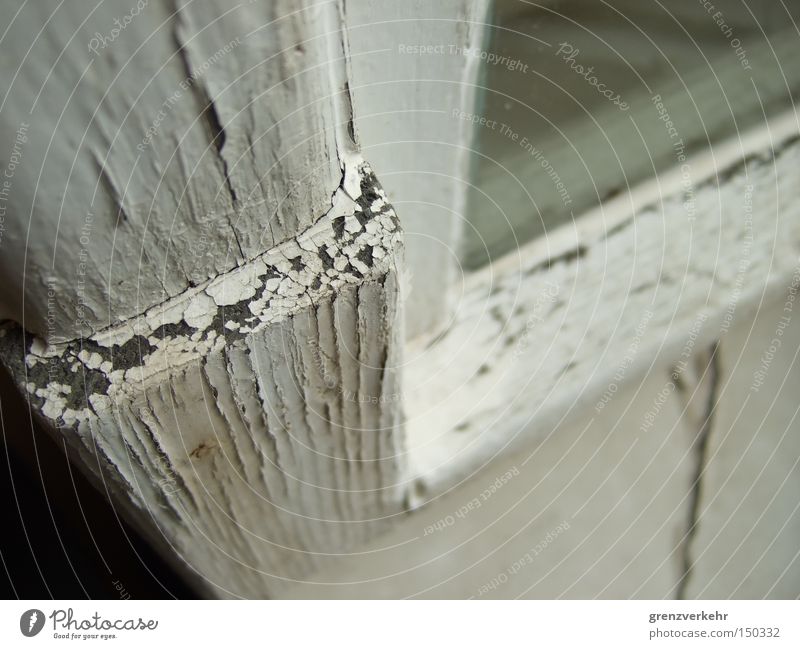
[599, 508]
[586, 143]
[645, 296]
[540, 335]
[189, 195]
[409, 72]
[252, 423]
[222, 353]
[163, 153]
[247, 409]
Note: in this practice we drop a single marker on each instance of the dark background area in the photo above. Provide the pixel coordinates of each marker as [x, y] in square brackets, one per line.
[60, 538]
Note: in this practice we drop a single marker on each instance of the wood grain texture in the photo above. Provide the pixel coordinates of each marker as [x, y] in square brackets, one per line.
[584, 511]
[253, 423]
[164, 152]
[701, 504]
[213, 312]
[209, 311]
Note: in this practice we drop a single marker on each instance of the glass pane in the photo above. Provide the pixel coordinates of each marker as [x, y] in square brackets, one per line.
[585, 98]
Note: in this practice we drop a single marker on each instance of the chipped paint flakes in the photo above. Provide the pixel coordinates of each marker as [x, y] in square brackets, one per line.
[352, 241]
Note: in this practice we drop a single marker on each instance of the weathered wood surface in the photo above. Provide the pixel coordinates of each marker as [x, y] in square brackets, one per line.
[161, 154]
[253, 421]
[585, 511]
[541, 334]
[626, 424]
[701, 505]
[204, 273]
[215, 308]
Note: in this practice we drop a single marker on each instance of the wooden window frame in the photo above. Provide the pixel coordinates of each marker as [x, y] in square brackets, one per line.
[353, 422]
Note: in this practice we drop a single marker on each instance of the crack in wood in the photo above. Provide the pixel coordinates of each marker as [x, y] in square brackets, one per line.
[700, 449]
